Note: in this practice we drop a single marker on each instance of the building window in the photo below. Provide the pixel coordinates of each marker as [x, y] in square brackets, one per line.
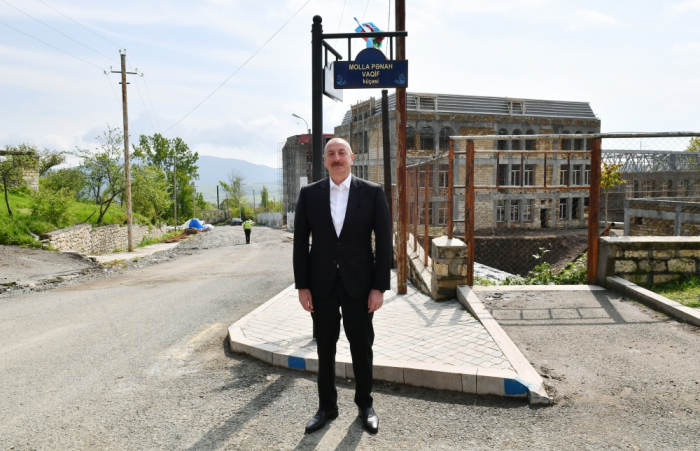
[587, 174]
[514, 175]
[648, 188]
[515, 210]
[427, 103]
[365, 142]
[527, 210]
[443, 176]
[427, 139]
[635, 188]
[578, 143]
[563, 209]
[530, 144]
[685, 186]
[576, 174]
[529, 175]
[502, 174]
[575, 208]
[442, 215]
[502, 144]
[564, 174]
[421, 214]
[565, 143]
[516, 107]
[501, 211]
[445, 133]
[410, 138]
[515, 144]
[589, 142]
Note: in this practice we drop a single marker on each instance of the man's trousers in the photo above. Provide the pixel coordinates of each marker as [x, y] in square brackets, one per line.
[247, 236]
[360, 333]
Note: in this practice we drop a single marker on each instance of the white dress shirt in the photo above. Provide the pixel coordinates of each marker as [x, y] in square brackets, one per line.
[339, 202]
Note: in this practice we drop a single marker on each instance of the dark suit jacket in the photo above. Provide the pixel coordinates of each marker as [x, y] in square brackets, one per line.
[360, 269]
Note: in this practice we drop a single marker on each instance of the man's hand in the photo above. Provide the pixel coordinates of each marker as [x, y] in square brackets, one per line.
[305, 300]
[375, 301]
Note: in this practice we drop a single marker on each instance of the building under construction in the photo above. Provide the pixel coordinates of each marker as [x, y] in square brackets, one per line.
[295, 158]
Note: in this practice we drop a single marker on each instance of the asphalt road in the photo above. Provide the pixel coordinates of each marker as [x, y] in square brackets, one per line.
[138, 359]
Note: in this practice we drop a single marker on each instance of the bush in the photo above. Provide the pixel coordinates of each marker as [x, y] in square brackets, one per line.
[71, 179]
[573, 274]
[13, 231]
[53, 207]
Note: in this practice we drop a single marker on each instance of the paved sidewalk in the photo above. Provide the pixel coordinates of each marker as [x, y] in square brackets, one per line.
[418, 342]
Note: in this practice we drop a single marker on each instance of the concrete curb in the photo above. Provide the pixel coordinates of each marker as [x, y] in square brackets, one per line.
[526, 375]
[656, 301]
[483, 381]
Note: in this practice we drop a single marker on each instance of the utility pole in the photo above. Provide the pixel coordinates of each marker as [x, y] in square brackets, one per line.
[127, 170]
[401, 187]
[175, 190]
[255, 216]
[218, 206]
[317, 98]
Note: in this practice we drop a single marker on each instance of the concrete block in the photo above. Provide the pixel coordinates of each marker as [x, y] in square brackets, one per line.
[681, 265]
[634, 254]
[441, 270]
[441, 377]
[663, 278]
[388, 370]
[664, 254]
[689, 253]
[281, 358]
[469, 380]
[622, 266]
[499, 382]
[260, 352]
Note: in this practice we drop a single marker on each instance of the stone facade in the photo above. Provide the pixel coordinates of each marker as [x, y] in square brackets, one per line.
[662, 217]
[449, 267]
[648, 260]
[99, 240]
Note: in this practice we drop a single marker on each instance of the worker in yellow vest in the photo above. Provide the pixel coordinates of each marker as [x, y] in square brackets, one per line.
[247, 224]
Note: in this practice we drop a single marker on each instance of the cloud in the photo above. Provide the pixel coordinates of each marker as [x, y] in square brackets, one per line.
[586, 18]
[687, 47]
[689, 5]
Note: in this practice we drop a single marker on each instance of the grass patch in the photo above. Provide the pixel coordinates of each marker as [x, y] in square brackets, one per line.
[149, 241]
[685, 291]
[16, 229]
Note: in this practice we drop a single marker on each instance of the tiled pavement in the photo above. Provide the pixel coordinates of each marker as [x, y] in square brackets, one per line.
[417, 341]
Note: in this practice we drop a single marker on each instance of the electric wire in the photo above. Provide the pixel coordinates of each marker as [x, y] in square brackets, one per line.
[59, 32]
[148, 93]
[55, 48]
[241, 67]
[110, 85]
[77, 23]
[142, 101]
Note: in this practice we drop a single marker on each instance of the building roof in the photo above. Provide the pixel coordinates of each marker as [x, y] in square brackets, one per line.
[304, 139]
[505, 106]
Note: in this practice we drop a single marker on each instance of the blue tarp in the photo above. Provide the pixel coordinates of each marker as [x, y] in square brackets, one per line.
[195, 224]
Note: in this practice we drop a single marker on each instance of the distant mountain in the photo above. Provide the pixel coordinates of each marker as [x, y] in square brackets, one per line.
[214, 169]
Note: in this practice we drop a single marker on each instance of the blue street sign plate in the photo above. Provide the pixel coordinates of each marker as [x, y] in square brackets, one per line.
[370, 69]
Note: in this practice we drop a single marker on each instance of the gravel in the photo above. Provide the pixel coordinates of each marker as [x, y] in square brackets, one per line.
[138, 359]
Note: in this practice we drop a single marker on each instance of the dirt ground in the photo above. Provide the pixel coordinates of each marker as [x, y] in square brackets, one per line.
[22, 265]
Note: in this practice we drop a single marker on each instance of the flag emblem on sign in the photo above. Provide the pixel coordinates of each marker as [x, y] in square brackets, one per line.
[369, 27]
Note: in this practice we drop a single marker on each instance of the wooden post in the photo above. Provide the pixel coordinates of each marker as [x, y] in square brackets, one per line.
[594, 214]
[426, 216]
[469, 211]
[402, 222]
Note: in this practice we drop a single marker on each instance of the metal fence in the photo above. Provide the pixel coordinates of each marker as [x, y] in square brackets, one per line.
[521, 201]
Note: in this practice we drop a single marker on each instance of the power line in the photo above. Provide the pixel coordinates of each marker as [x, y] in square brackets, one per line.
[241, 67]
[140, 97]
[57, 31]
[151, 101]
[59, 12]
[110, 85]
[55, 48]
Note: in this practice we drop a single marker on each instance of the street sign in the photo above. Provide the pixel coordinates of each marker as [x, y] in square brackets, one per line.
[370, 69]
[329, 89]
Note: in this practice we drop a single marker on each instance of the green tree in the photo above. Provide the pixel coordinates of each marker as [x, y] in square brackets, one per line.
[694, 145]
[264, 199]
[149, 192]
[159, 151]
[104, 171]
[50, 158]
[235, 191]
[610, 177]
[53, 206]
[69, 179]
[12, 167]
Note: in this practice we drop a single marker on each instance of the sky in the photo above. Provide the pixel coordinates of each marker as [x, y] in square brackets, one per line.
[636, 62]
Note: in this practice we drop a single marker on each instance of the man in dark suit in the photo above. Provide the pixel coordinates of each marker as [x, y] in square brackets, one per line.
[340, 272]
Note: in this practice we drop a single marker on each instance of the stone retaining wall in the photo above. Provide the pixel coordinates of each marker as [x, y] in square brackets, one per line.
[99, 240]
[662, 217]
[648, 260]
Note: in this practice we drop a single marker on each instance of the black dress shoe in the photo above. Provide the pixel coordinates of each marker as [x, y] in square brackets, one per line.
[370, 420]
[319, 420]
